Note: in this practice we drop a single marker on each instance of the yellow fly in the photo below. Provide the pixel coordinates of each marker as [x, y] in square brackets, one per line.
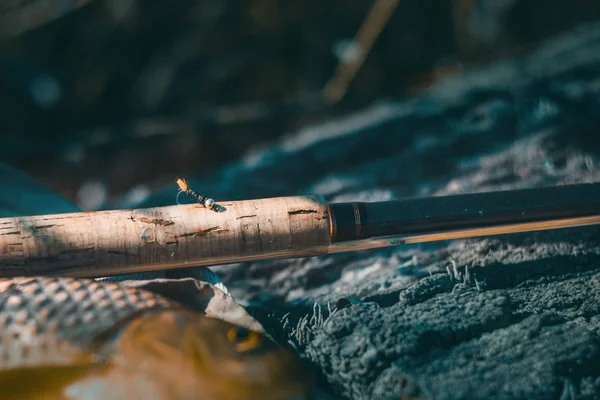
[184, 188]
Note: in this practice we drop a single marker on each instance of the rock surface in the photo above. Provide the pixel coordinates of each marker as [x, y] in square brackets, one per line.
[508, 317]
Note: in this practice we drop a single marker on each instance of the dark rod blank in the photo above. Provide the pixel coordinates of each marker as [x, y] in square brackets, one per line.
[468, 212]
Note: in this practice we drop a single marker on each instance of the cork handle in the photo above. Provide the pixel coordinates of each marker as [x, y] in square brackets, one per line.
[125, 241]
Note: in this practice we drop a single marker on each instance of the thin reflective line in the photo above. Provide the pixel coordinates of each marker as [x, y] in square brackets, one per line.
[502, 230]
[375, 243]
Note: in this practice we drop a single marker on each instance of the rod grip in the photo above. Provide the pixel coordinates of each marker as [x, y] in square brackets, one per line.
[91, 244]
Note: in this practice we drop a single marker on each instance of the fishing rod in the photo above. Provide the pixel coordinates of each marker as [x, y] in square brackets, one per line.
[105, 243]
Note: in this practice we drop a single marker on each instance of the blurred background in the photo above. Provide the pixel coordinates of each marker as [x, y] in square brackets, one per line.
[101, 99]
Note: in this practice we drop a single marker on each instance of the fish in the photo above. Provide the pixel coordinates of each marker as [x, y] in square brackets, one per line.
[79, 338]
[84, 339]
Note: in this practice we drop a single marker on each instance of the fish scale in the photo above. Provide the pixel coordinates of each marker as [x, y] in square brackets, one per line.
[53, 319]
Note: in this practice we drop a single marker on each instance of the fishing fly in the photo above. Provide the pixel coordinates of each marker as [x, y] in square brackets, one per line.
[192, 194]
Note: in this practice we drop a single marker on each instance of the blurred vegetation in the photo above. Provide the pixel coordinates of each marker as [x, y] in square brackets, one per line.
[129, 92]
